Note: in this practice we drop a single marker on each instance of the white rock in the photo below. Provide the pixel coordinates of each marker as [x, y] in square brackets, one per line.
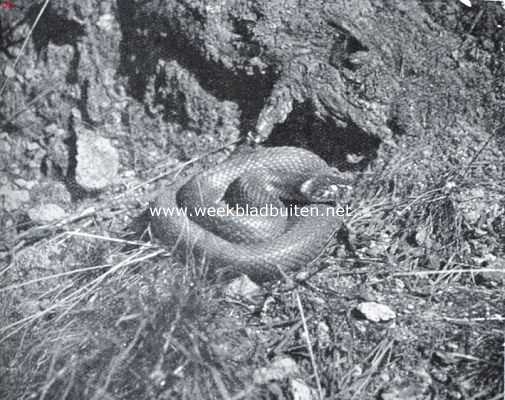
[301, 391]
[24, 183]
[279, 369]
[106, 22]
[97, 160]
[323, 333]
[9, 72]
[47, 213]
[241, 287]
[375, 312]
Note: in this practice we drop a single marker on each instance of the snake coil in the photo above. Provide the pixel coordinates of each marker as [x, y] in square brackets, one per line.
[265, 246]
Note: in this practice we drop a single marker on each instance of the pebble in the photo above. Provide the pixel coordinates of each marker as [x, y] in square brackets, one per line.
[9, 72]
[24, 183]
[301, 391]
[97, 161]
[106, 22]
[47, 213]
[323, 333]
[242, 287]
[409, 393]
[375, 312]
[280, 368]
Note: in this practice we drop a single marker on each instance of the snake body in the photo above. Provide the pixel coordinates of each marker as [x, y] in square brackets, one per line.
[298, 241]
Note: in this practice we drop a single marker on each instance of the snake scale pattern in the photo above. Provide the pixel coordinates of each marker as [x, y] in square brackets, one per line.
[300, 240]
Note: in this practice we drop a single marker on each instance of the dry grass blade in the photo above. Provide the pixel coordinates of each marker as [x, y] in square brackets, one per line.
[452, 271]
[117, 360]
[381, 351]
[76, 296]
[219, 383]
[54, 276]
[110, 239]
[309, 345]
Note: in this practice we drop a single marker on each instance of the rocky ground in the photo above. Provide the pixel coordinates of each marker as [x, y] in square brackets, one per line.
[103, 103]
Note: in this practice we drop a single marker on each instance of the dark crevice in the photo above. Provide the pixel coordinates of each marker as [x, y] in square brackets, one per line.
[139, 55]
[395, 124]
[6, 38]
[77, 192]
[71, 143]
[303, 128]
[244, 28]
[53, 28]
[345, 44]
[248, 47]
[82, 103]
[173, 102]
[22, 221]
[44, 169]
[72, 76]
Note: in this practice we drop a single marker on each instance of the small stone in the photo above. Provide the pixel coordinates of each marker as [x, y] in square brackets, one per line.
[106, 22]
[411, 392]
[399, 284]
[454, 395]
[354, 158]
[54, 130]
[9, 72]
[31, 146]
[97, 161]
[47, 213]
[301, 391]
[439, 375]
[385, 377]
[452, 346]
[375, 312]
[323, 333]
[24, 184]
[76, 114]
[242, 287]
[279, 369]
[423, 237]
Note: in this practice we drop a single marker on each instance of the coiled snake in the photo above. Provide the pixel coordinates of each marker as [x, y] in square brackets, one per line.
[258, 246]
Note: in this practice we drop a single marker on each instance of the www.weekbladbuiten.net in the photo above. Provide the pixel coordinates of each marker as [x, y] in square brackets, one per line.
[268, 210]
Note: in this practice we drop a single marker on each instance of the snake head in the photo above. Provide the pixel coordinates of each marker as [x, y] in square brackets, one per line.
[328, 186]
